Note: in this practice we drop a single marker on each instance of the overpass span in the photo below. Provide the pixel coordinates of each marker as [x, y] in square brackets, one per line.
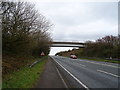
[67, 44]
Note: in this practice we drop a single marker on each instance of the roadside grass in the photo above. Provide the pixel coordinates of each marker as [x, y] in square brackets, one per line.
[102, 60]
[26, 77]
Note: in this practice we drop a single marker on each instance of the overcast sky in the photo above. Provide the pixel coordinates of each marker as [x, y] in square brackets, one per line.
[80, 21]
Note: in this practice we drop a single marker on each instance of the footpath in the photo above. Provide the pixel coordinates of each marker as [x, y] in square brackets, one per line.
[50, 77]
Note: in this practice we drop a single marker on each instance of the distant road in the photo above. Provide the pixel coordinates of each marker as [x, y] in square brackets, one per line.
[89, 74]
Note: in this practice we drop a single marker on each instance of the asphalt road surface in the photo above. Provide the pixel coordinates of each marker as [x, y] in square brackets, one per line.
[90, 74]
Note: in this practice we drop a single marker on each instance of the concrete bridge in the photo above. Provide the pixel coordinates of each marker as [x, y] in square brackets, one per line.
[67, 44]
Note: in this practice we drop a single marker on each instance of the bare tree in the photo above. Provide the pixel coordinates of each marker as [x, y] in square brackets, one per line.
[23, 27]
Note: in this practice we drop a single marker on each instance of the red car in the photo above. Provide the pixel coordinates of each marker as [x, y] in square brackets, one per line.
[73, 56]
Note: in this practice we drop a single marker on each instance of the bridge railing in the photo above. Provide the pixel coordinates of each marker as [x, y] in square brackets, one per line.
[67, 44]
[78, 43]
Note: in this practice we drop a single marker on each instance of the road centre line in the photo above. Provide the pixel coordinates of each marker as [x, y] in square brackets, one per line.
[110, 65]
[61, 78]
[108, 73]
[80, 64]
[72, 76]
[101, 64]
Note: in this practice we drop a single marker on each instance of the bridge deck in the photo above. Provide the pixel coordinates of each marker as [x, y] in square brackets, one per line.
[67, 44]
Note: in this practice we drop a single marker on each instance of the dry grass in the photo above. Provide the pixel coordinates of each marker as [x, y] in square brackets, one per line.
[10, 63]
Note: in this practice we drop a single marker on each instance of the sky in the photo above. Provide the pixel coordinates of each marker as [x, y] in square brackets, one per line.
[79, 21]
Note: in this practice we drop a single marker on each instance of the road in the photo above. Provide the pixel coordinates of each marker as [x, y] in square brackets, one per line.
[89, 74]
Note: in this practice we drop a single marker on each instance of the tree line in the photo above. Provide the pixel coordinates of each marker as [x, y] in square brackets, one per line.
[106, 47]
[24, 30]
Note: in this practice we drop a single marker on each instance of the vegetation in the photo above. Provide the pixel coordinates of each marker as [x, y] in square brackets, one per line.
[25, 34]
[25, 78]
[107, 47]
[24, 30]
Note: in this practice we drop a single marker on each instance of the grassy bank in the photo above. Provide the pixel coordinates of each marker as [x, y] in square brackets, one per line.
[11, 63]
[102, 60]
[25, 78]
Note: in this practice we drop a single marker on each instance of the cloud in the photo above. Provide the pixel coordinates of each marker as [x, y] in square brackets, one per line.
[87, 31]
[81, 21]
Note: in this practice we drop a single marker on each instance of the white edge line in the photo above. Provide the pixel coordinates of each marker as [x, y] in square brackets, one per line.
[73, 76]
[108, 73]
[62, 78]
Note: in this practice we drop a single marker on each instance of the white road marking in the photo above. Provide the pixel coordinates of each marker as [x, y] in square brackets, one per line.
[82, 65]
[100, 64]
[108, 73]
[73, 76]
[61, 78]
[110, 65]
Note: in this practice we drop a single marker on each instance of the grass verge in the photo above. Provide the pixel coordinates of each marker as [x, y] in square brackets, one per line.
[25, 78]
[102, 60]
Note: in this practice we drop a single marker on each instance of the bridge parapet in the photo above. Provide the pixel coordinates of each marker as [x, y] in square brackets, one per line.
[67, 44]
[78, 43]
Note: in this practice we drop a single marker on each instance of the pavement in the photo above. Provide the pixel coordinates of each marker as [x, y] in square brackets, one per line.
[89, 74]
[50, 77]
